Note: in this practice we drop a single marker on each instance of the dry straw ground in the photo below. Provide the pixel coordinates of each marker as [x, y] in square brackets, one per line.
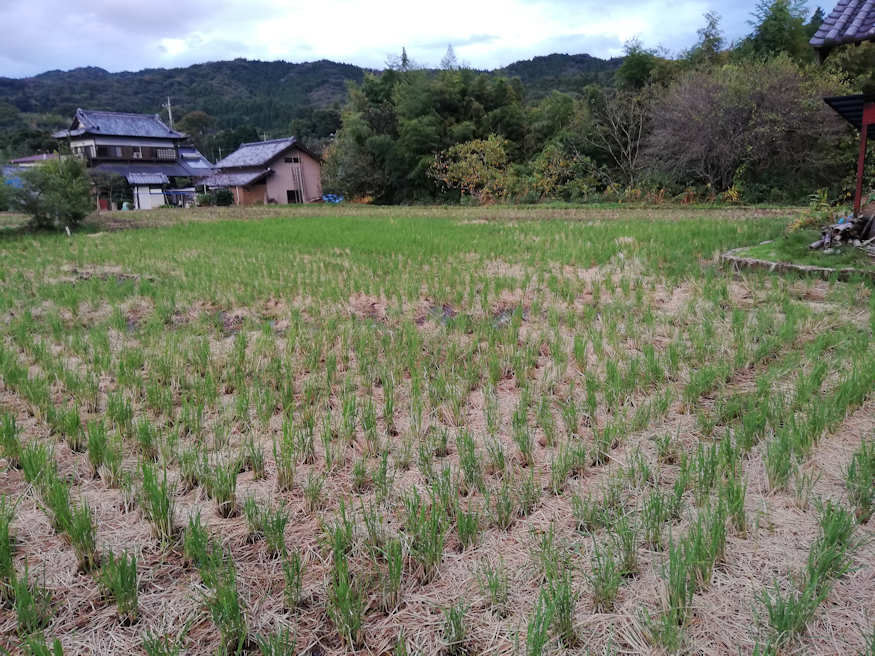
[487, 435]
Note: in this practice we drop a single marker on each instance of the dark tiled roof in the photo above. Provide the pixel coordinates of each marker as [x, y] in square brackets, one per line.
[241, 179]
[257, 153]
[193, 159]
[119, 124]
[851, 21]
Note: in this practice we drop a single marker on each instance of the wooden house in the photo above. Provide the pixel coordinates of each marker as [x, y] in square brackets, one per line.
[274, 171]
[141, 148]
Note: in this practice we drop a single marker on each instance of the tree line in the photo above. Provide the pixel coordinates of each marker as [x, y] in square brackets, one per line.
[739, 122]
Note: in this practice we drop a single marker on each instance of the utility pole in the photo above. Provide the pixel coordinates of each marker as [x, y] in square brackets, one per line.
[169, 112]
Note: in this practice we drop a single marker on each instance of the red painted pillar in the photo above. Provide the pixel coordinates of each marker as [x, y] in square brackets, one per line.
[868, 119]
[861, 164]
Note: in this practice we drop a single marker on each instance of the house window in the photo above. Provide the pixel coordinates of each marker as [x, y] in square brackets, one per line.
[292, 160]
[112, 152]
[166, 153]
[294, 196]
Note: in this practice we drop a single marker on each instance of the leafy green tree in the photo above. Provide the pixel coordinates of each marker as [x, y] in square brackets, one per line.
[5, 194]
[637, 66]
[351, 163]
[549, 117]
[197, 124]
[814, 22]
[110, 186]
[395, 122]
[477, 168]
[223, 143]
[779, 26]
[27, 141]
[449, 61]
[856, 63]
[316, 126]
[707, 50]
[56, 194]
[10, 117]
[558, 173]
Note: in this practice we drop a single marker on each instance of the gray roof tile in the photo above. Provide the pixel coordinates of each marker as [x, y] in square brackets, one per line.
[849, 22]
[147, 178]
[236, 179]
[120, 124]
[257, 153]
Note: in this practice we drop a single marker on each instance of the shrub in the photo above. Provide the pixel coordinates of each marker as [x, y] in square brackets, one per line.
[223, 197]
[477, 167]
[759, 124]
[56, 194]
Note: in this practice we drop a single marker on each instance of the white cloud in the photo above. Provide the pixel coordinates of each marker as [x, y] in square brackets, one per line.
[172, 47]
[52, 34]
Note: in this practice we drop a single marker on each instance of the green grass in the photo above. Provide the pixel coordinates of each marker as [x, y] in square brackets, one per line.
[828, 558]
[794, 248]
[118, 576]
[551, 410]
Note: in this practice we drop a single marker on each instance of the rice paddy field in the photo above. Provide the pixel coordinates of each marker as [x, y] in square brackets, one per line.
[432, 431]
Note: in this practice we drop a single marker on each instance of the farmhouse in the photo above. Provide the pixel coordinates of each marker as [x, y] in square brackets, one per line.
[275, 171]
[152, 157]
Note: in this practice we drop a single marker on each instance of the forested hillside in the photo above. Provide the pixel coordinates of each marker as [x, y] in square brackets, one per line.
[568, 73]
[232, 101]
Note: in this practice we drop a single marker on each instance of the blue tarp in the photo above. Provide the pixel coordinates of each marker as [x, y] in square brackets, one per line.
[11, 176]
[332, 198]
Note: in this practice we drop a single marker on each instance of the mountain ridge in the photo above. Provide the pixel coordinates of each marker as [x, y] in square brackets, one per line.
[249, 98]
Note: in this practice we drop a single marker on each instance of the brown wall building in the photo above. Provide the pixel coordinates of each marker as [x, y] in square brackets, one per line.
[275, 171]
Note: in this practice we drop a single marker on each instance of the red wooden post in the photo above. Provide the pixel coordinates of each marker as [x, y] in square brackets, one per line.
[861, 162]
[868, 119]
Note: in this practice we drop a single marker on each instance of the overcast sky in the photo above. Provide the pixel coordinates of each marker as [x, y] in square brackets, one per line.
[118, 35]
